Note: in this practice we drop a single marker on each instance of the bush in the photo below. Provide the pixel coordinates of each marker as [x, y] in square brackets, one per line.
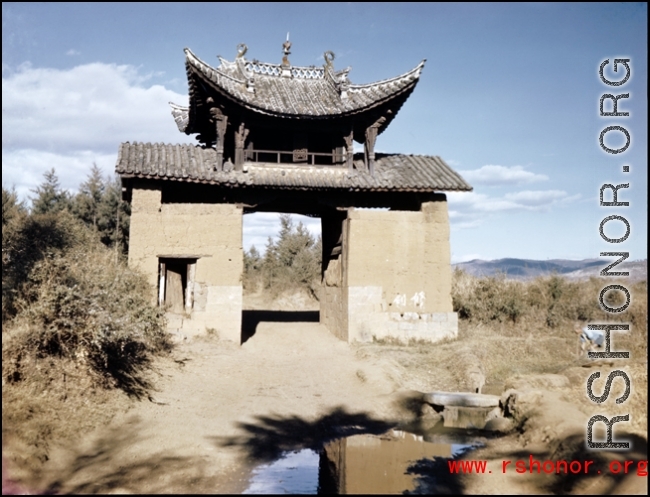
[71, 298]
[550, 303]
[487, 299]
[27, 239]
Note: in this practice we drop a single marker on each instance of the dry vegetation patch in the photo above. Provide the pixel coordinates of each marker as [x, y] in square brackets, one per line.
[520, 329]
[78, 334]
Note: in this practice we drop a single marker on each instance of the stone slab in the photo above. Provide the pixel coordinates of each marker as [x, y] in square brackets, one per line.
[461, 399]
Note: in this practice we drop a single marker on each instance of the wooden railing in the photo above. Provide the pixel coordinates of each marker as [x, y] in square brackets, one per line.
[287, 157]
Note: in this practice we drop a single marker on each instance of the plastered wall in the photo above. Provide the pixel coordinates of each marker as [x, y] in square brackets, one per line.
[210, 232]
[397, 270]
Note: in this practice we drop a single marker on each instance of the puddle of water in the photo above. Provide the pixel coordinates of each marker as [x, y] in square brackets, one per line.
[294, 473]
[358, 464]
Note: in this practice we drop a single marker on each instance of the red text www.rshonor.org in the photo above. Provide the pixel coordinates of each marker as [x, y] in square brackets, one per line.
[532, 465]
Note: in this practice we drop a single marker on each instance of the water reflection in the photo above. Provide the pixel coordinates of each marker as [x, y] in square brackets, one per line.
[371, 464]
[294, 473]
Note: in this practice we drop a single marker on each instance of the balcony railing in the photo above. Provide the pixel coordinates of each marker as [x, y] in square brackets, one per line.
[298, 158]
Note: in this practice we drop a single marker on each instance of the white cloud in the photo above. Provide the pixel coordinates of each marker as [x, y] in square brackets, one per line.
[73, 52]
[468, 210]
[89, 107]
[24, 168]
[68, 119]
[533, 199]
[492, 175]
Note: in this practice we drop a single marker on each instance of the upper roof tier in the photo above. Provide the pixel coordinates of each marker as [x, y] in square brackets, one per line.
[288, 91]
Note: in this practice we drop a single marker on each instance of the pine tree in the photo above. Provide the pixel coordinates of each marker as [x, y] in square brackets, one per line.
[50, 198]
[114, 216]
[294, 260]
[252, 260]
[91, 194]
[11, 207]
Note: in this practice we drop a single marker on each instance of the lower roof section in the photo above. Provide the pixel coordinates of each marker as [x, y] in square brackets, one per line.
[195, 164]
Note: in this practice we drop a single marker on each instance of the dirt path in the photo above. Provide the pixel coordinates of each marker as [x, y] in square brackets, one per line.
[220, 408]
[219, 405]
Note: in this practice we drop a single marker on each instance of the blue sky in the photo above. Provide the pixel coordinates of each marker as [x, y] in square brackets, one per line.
[509, 97]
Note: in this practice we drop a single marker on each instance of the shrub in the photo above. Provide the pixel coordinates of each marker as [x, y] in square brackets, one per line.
[550, 303]
[487, 299]
[72, 299]
[27, 239]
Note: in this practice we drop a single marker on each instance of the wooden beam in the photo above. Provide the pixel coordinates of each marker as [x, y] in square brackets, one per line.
[349, 149]
[221, 122]
[369, 149]
[240, 140]
[369, 146]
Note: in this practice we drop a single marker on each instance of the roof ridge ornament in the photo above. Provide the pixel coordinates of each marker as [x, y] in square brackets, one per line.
[340, 79]
[241, 50]
[329, 58]
[286, 51]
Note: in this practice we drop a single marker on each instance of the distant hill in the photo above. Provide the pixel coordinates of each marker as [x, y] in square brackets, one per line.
[528, 268]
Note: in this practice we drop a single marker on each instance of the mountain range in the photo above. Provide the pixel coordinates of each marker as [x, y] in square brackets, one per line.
[528, 268]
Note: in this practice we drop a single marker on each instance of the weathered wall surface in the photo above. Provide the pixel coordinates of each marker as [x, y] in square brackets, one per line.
[333, 300]
[398, 272]
[333, 295]
[210, 232]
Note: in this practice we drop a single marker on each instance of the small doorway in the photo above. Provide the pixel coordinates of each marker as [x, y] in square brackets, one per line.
[176, 284]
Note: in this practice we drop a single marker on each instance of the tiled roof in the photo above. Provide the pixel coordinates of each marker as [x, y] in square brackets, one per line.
[190, 163]
[310, 92]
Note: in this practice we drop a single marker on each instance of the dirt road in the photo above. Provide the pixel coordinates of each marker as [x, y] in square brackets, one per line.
[221, 408]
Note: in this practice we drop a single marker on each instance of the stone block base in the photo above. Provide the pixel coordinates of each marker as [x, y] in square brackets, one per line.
[369, 318]
[218, 308]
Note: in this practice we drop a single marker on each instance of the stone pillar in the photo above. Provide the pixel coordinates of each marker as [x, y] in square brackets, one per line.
[210, 235]
[399, 274]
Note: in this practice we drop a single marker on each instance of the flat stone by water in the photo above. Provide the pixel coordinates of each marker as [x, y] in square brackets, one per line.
[461, 399]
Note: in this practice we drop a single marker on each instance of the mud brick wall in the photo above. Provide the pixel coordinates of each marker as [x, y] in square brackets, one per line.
[210, 232]
[334, 292]
[398, 274]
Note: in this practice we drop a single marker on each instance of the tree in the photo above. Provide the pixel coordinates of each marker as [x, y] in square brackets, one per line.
[114, 216]
[294, 261]
[252, 269]
[11, 207]
[252, 260]
[50, 198]
[99, 205]
[91, 194]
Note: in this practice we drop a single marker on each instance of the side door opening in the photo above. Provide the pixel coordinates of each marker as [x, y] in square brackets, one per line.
[176, 284]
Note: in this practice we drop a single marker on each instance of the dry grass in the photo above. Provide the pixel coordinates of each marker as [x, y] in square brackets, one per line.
[516, 327]
[58, 402]
[79, 333]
